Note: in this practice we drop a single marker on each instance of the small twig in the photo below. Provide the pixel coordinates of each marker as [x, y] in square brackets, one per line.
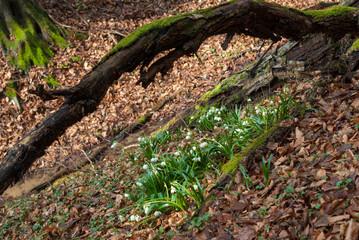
[117, 33]
[260, 49]
[72, 9]
[93, 166]
[280, 214]
[260, 60]
[113, 39]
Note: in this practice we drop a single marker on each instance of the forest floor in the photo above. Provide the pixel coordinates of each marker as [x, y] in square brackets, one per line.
[313, 186]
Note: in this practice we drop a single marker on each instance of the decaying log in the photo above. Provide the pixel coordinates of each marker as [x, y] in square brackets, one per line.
[181, 35]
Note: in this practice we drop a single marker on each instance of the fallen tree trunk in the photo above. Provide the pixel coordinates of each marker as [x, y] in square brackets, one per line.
[181, 35]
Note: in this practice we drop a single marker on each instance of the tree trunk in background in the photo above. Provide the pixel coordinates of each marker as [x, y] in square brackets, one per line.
[25, 32]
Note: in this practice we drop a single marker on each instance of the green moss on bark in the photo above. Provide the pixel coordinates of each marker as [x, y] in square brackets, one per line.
[161, 25]
[232, 165]
[25, 37]
[355, 45]
[334, 11]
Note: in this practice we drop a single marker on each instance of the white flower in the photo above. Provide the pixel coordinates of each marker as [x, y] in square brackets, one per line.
[217, 119]
[173, 189]
[204, 144]
[135, 218]
[114, 144]
[157, 213]
[121, 218]
[215, 127]
[245, 122]
[192, 117]
[239, 130]
[163, 163]
[140, 139]
[197, 159]
[189, 133]
[177, 153]
[195, 187]
[271, 102]
[154, 159]
[146, 207]
[191, 152]
[126, 195]
[145, 166]
[155, 171]
[249, 100]
[139, 184]
[194, 148]
[188, 137]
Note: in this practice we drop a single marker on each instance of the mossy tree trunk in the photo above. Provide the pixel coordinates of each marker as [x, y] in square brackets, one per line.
[183, 35]
[25, 32]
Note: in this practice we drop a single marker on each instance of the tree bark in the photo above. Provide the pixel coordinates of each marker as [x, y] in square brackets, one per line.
[184, 34]
[25, 31]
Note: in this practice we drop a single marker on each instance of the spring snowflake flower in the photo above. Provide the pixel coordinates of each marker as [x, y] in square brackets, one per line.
[157, 213]
[173, 189]
[245, 122]
[188, 137]
[195, 187]
[192, 117]
[239, 131]
[146, 208]
[177, 153]
[194, 148]
[134, 218]
[145, 167]
[215, 127]
[249, 100]
[189, 133]
[154, 159]
[204, 144]
[126, 195]
[114, 144]
[271, 102]
[140, 139]
[155, 171]
[217, 119]
[163, 163]
[121, 218]
[139, 184]
[197, 159]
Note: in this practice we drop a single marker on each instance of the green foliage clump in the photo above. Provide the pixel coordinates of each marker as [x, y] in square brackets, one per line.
[51, 82]
[11, 90]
